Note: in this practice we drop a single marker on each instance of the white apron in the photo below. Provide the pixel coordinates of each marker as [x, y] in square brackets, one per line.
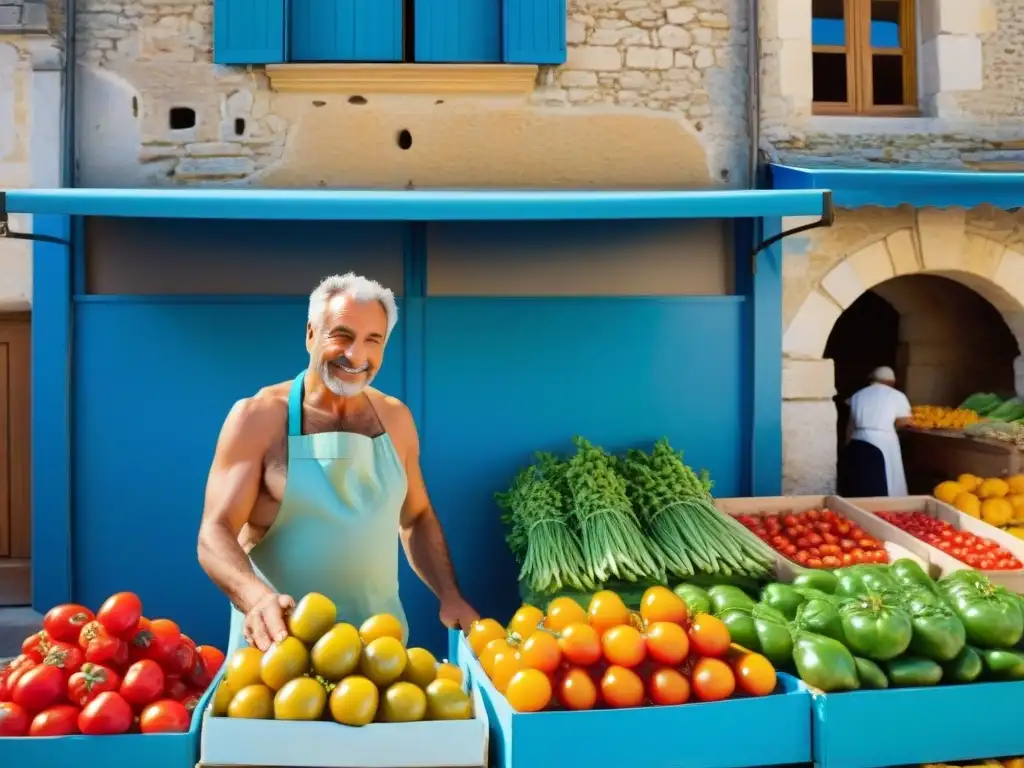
[873, 412]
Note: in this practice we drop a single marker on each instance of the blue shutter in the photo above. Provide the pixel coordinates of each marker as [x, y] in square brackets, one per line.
[346, 30]
[534, 31]
[458, 31]
[249, 31]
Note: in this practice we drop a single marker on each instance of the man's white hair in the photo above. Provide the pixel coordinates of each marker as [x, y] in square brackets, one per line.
[883, 375]
[359, 288]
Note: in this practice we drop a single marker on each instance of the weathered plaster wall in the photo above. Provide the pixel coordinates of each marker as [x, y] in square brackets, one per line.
[653, 95]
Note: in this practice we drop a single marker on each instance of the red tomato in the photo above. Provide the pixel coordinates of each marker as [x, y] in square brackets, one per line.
[138, 646]
[65, 657]
[668, 687]
[107, 714]
[174, 688]
[5, 690]
[59, 720]
[165, 636]
[212, 660]
[39, 688]
[107, 650]
[90, 631]
[580, 644]
[165, 716]
[13, 719]
[143, 683]
[191, 700]
[713, 680]
[182, 659]
[18, 667]
[65, 622]
[120, 614]
[90, 681]
[621, 687]
[36, 646]
[667, 643]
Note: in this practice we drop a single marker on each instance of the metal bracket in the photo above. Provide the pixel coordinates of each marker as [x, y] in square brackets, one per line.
[10, 234]
[828, 217]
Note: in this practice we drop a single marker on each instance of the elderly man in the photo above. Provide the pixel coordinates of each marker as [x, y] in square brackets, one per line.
[873, 458]
[312, 478]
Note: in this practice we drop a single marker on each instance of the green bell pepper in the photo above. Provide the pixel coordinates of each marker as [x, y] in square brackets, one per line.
[965, 668]
[773, 635]
[821, 617]
[876, 627]
[824, 663]
[908, 573]
[696, 599]
[810, 593]
[742, 629]
[783, 598]
[821, 580]
[857, 580]
[1003, 665]
[870, 674]
[909, 671]
[937, 632]
[991, 615]
[723, 597]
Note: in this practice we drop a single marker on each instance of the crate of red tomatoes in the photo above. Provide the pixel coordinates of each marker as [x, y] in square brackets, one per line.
[956, 541]
[110, 687]
[821, 532]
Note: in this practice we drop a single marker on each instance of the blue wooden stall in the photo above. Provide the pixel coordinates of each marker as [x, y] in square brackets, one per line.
[130, 387]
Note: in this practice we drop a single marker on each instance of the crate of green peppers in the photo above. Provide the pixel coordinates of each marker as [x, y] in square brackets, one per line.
[903, 669]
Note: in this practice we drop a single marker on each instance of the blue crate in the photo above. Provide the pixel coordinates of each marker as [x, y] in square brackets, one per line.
[904, 726]
[738, 733]
[152, 750]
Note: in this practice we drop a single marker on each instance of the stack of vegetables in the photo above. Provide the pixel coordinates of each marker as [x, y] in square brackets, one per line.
[816, 538]
[875, 626]
[975, 551]
[941, 417]
[992, 407]
[996, 500]
[606, 656]
[597, 520]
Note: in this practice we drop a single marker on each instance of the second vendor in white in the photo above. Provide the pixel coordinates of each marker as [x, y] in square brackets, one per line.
[875, 413]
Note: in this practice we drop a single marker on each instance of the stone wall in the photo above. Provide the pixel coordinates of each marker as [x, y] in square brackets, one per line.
[653, 95]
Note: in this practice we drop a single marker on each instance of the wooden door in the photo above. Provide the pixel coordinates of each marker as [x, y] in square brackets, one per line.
[15, 511]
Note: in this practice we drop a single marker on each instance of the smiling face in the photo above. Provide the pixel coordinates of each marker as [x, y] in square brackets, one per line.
[347, 346]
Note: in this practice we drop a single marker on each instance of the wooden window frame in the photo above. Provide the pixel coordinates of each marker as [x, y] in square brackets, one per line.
[858, 50]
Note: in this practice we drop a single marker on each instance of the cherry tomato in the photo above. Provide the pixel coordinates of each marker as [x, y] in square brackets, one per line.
[120, 614]
[143, 683]
[39, 688]
[606, 610]
[667, 643]
[505, 666]
[107, 650]
[138, 645]
[669, 687]
[36, 646]
[577, 690]
[481, 632]
[59, 720]
[712, 680]
[184, 657]
[621, 687]
[165, 716]
[541, 651]
[16, 669]
[105, 715]
[709, 636]
[624, 646]
[90, 631]
[563, 611]
[65, 622]
[662, 604]
[165, 636]
[14, 720]
[66, 657]
[213, 658]
[529, 690]
[191, 700]
[754, 674]
[174, 687]
[580, 644]
[524, 622]
[90, 681]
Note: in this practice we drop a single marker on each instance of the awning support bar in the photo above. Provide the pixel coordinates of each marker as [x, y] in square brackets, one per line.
[7, 232]
[828, 217]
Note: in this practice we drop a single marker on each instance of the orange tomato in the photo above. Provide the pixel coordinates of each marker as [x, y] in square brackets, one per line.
[580, 644]
[486, 656]
[577, 690]
[525, 621]
[667, 643]
[662, 604]
[621, 687]
[563, 611]
[606, 610]
[541, 651]
[482, 631]
[709, 636]
[712, 680]
[669, 687]
[529, 690]
[623, 645]
[504, 667]
[755, 674]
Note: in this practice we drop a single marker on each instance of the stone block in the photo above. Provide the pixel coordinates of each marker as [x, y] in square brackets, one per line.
[982, 255]
[903, 250]
[594, 58]
[872, 264]
[809, 447]
[793, 20]
[952, 17]
[959, 62]
[795, 74]
[808, 332]
[843, 284]
[808, 379]
[1009, 275]
[943, 237]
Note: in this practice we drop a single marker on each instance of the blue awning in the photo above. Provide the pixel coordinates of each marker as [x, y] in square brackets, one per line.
[891, 187]
[415, 205]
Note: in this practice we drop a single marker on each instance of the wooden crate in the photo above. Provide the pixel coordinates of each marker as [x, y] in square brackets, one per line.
[931, 456]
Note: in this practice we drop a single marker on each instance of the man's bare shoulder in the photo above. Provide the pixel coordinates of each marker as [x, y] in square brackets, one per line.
[261, 416]
[394, 415]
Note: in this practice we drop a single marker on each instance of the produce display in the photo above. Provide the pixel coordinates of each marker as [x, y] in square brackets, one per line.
[1013, 762]
[329, 670]
[606, 656]
[941, 417]
[816, 538]
[107, 673]
[996, 500]
[595, 519]
[876, 626]
[993, 408]
[975, 551]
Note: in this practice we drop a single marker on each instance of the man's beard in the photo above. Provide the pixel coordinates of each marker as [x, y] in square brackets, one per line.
[340, 387]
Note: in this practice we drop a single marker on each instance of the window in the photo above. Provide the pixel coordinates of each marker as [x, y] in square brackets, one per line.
[864, 57]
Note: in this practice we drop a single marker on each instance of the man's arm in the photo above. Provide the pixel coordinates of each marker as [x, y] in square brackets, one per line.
[904, 412]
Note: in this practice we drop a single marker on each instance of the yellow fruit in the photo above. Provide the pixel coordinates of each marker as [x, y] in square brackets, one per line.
[336, 653]
[354, 701]
[383, 660]
[403, 703]
[284, 661]
[448, 671]
[300, 699]
[447, 701]
[421, 668]
[312, 617]
[947, 491]
[969, 482]
[968, 503]
[525, 621]
[482, 631]
[222, 699]
[993, 488]
[1016, 484]
[254, 702]
[1017, 502]
[243, 669]
[486, 656]
[997, 512]
[381, 625]
[1017, 530]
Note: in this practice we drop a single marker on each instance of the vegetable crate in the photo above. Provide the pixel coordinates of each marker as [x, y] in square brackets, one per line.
[452, 744]
[152, 750]
[904, 726]
[1013, 580]
[898, 543]
[776, 730]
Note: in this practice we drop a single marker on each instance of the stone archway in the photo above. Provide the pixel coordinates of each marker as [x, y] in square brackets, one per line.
[939, 243]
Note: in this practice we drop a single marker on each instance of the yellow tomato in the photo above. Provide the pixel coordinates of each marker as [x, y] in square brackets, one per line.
[563, 611]
[968, 503]
[448, 671]
[482, 631]
[526, 621]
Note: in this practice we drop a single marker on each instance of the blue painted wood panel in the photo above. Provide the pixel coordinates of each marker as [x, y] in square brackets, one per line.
[766, 351]
[507, 377]
[458, 31]
[534, 31]
[250, 31]
[346, 30]
[153, 382]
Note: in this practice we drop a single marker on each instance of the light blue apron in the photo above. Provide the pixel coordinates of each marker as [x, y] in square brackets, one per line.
[337, 530]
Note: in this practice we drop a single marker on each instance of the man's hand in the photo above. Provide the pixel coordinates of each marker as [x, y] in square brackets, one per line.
[456, 613]
[265, 621]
